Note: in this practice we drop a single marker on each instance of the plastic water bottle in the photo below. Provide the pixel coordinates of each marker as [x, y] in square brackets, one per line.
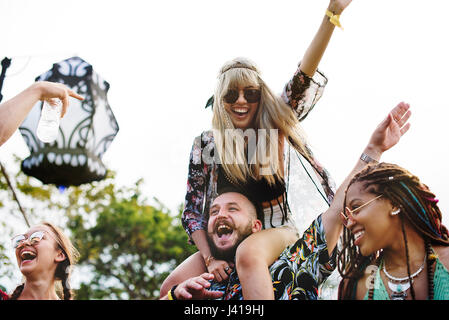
[48, 127]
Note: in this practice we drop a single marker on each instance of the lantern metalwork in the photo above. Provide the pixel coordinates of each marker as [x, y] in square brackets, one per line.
[85, 132]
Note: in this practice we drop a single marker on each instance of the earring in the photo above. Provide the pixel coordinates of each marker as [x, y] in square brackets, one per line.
[395, 212]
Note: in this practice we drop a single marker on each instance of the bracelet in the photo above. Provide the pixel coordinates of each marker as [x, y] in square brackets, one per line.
[171, 294]
[208, 260]
[334, 19]
[367, 159]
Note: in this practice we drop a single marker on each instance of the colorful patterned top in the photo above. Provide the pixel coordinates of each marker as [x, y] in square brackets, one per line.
[298, 272]
[301, 93]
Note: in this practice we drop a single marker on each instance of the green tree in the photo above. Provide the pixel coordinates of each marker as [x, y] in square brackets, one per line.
[5, 263]
[131, 246]
[127, 245]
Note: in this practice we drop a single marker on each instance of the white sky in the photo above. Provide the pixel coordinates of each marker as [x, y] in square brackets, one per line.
[161, 59]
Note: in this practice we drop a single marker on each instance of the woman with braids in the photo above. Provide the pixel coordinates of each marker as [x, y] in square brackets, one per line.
[44, 256]
[394, 245]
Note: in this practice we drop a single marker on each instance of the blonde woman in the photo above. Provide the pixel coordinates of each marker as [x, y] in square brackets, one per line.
[44, 256]
[245, 149]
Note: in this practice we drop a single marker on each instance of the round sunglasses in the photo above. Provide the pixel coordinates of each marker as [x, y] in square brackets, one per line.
[351, 213]
[250, 95]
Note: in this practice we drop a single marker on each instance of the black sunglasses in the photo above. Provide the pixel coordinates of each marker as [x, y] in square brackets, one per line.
[251, 95]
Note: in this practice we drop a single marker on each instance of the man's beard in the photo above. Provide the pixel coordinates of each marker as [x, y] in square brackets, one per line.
[229, 253]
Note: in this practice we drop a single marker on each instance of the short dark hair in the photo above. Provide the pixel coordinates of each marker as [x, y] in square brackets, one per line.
[257, 205]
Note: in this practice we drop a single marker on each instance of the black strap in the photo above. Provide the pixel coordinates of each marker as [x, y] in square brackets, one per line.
[313, 181]
[172, 292]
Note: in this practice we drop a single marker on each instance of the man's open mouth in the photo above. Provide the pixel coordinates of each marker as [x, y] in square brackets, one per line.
[223, 230]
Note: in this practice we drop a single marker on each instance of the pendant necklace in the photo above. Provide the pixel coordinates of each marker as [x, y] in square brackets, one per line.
[399, 286]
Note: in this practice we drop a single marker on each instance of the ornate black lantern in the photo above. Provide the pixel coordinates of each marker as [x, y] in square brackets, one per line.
[85, 132]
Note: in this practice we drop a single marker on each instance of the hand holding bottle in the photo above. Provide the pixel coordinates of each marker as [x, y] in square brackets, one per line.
[15, 110]
[55, 102]
[48, 90]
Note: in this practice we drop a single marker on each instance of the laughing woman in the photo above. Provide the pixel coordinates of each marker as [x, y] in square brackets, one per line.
[244, 105]
[44, 256]
[394, 245]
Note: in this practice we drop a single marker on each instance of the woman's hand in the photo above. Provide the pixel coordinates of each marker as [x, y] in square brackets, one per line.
[337, 6]
[389, 131]
[48, 90]
[15, 110]
[220, 269]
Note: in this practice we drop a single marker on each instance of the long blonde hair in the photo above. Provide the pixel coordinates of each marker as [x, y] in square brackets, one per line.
[272, 114]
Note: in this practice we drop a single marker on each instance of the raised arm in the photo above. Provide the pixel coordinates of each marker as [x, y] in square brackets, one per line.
[315, 51]
[385, 136]
[15, 110]
[306, 87]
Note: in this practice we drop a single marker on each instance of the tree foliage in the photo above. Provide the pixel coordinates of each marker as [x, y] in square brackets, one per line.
[131, 245]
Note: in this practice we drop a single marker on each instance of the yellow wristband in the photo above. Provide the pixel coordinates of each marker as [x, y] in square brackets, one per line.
[171, 294]
[334, 19]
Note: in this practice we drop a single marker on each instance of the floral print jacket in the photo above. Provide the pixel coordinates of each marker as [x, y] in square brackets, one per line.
[301, 93]
[297, 274]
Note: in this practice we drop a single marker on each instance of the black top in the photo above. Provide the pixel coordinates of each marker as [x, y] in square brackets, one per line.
[258, 190]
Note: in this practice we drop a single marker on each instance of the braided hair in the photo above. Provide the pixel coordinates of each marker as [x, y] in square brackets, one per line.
[418, 207]
[62, 272]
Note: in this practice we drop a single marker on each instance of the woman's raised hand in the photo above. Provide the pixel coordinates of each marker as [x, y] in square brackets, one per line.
[391, 129]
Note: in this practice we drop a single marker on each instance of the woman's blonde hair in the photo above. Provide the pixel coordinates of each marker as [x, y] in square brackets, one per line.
[272, 115]
[64, 268]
